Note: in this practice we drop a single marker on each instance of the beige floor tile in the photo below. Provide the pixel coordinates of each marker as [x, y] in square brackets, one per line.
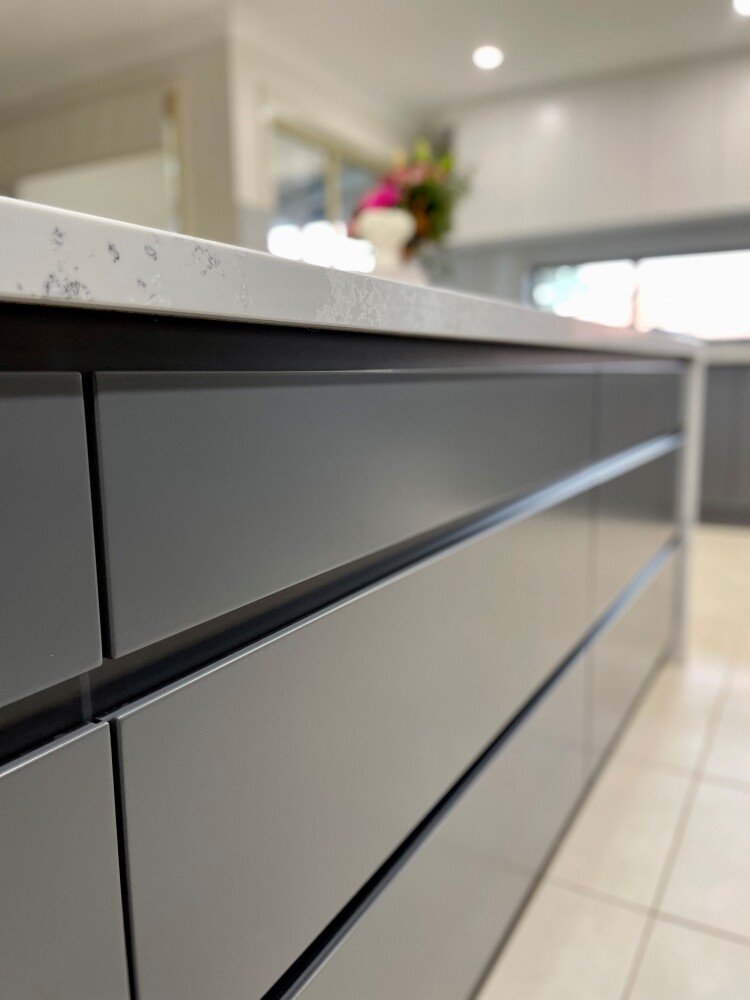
[714, 637]
[672, 723]
[566, 947]
[681, 964]
[729, 756]
[710, 881]
[619, 841]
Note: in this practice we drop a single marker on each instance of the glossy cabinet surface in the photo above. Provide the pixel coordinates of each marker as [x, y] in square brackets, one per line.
[726, 445]
[624, 657]
[48, 594]
[221, 489]
[635, 407]
[432, 931]
[636, 516]
[260, 796]
[720, 440]
[61, 924]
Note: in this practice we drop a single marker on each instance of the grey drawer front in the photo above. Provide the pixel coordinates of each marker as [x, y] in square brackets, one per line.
[627, 653]
[49, 627]
[261, 795]
[221, 489]
[635, 407]
[635, 518]
[431, 933]
[743, 442]
[61, 933]
[720, 445]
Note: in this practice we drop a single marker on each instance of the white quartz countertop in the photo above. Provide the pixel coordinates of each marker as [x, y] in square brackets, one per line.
[51, 256]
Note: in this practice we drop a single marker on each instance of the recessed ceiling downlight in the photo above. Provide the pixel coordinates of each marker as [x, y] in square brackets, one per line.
[490, 56]
[742, 7]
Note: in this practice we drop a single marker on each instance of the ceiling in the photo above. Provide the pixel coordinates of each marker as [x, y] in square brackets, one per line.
[414, 57]
[418, 55]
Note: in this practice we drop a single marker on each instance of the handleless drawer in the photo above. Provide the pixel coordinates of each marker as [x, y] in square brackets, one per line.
[61, 931]
[262, 794]
[48, 591]
[637, 406]
[627, 653]
[635, 517]
[433, 930]
[221, 489]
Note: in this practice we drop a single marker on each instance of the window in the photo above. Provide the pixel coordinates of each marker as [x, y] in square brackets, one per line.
[316, 187]
[602, 292]
[703, 295]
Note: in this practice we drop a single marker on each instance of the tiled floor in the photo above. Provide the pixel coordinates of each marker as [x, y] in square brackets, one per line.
[648, 897]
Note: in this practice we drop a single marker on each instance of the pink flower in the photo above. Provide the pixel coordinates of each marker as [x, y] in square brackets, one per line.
[385, 195]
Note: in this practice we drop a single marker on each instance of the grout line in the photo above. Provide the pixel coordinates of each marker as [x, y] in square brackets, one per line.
[697, 925]
[603, 897]
[638, 956]
[649, 764]
[721, 781]
[678, 835]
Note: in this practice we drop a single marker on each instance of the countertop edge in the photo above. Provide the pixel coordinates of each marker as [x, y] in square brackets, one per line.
[54, 257]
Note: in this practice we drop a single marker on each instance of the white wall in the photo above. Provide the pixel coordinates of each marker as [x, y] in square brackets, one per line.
[78, 128]
[124, 114]
[201, 86]
[266, 85]
[225, 95]
[122, 187]
[652, 148]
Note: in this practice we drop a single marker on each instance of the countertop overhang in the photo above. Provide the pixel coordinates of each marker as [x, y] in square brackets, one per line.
[51, 256]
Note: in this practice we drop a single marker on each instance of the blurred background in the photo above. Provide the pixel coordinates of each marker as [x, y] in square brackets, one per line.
[602, 147]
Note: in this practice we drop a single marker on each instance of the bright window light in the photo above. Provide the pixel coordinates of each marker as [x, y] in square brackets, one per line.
[704, 295]
[487, 57]
[318, 242]
[601, 292]
[742, 7]
[326, 244]
[285, 241]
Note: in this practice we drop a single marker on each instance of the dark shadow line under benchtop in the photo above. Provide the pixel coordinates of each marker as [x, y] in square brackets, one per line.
[40, 337]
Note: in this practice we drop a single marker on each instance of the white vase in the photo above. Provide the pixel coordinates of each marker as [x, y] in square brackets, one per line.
[389, 230]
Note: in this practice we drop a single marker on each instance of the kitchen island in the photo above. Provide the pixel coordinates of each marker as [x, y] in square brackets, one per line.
[324, 598]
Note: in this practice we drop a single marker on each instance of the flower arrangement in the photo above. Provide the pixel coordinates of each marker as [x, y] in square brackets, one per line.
[424, 184]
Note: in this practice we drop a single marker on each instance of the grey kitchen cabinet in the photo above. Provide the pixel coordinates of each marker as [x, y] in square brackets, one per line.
[636, 516]
[431, 932]
[261, 794]
[61, 922]
[626, 654]
[633, 407]
[221, 489]
[726, 446]
[743, 442]
[49, 616]
[719, 440]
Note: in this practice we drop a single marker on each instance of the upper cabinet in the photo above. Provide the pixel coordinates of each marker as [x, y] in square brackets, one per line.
[48, 594]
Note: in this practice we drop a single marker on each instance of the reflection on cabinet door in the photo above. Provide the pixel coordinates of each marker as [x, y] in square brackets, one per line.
[222, 489]
[635, 518]
[261, 795]
[635, 407]
[49, 629]
[626, 654]
[720, 440]
[433, 930]
[61, 929]
[743, 445]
